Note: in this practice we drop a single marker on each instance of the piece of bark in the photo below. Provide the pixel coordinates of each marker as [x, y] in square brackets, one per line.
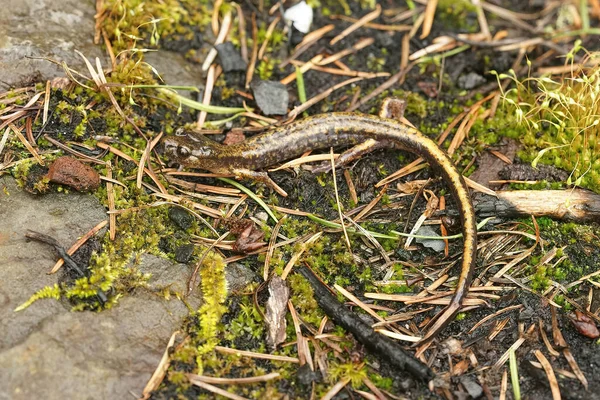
[526, 172]
[279, 295]
[490, 166]
[572, 205]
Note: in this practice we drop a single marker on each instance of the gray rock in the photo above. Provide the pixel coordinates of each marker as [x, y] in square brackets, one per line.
[272, 97]
[472, 387]
[164, 273]
[470, 81]
[181, 217]
[527, 314]
[30, 29]
[306, 376]
[48, 352]
[88, 355]
[230, 58]
[184, 253]
[24, 264]
[435, 244]
[262, 216]
[174, 69]
[238, 276]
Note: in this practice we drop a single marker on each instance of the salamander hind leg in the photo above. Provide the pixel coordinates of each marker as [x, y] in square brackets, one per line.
[242, 173]
[391, 108]
[350, 155]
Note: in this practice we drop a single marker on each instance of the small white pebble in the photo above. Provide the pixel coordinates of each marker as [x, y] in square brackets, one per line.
[301, 15]
[262, 216]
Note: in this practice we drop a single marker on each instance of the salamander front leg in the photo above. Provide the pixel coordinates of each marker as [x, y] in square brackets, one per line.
[259, 177]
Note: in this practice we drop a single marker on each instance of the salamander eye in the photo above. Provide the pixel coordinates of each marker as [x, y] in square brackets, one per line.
[183, 151]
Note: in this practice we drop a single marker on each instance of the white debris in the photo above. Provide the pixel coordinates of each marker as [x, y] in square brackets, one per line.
[301, 15]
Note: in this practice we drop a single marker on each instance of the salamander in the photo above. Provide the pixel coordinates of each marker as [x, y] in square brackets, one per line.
[336, 129]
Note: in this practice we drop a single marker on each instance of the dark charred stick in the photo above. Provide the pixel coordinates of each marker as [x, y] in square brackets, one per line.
[62, 253]
[378, 344]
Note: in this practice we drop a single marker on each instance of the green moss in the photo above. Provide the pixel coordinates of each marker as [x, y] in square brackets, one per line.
[214, 293]
[356, 373]
[559, 119]
[456, 13]
[303, 298]
[577, 258]
[560, 300]
[265, 68]
[460, 316]
[375, 64]
[21, 171]
[381, 382]
[141, 23]
[48, 292]
[248, 325]
[540, 280]
[416, 104]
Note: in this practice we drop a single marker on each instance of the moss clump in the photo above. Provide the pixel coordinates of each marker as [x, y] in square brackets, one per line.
[265, 68]
[560, 122]
[174, 24]
[214, 293]
[31, 176]
[356, 373]
[459, 14]
[49, 292]
[73, 114]
[416, 104]
[247, 326]
[576, 255]
[302, 296]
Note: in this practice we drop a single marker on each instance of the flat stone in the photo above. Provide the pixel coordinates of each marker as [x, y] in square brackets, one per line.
[88, 355]
[470, 81]
[31, 29]
[230, 58]
[184, 253]
[306, 376]
[426, 230]
[174, 69]
[272, 97]
[165, 274]
[473, 388]
[47, 351]
[238, 276]
[181, 217]
[24, 264]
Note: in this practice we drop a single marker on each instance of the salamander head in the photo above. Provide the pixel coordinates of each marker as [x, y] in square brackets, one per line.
[190, 151]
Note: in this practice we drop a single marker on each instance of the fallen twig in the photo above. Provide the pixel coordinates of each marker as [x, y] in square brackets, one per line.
[69, 262]
[386, 348]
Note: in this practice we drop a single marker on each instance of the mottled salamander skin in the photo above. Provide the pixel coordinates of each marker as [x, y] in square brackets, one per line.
[333, 130]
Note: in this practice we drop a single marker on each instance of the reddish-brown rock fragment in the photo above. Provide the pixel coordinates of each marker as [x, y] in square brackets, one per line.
[73, 173]
[585, 325]
[234, 136]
